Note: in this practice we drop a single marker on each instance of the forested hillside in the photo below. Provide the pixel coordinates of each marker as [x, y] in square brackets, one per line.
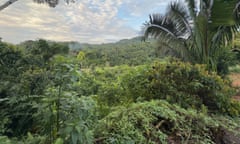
[130, 52]
[169, 86]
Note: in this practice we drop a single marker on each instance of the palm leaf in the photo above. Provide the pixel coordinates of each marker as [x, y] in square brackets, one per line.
[223, 13]
[179, 15]
[191, 8]
[158, 26]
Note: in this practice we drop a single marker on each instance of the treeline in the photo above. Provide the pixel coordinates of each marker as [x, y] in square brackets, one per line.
[130, 52]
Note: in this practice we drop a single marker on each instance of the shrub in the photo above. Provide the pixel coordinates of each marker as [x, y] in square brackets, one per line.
[190, 86]
[156, 122]
[135, 83]
[181, 83]
[235, 69]
[121, 85]
[72, 122]
[234, 109]
[29, 139]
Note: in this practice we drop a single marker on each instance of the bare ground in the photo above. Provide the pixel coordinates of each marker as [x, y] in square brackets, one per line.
[235, 77]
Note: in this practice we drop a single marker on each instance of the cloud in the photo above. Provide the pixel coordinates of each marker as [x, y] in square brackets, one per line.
[93, 21]
[140, 8]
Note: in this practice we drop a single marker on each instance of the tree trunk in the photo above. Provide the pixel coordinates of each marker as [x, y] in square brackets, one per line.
[6, 4]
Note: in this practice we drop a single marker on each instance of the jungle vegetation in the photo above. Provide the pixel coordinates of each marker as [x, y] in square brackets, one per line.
[169, 86]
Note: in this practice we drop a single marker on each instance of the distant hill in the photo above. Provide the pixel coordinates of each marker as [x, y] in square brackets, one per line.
[126, 51]
[77, 45]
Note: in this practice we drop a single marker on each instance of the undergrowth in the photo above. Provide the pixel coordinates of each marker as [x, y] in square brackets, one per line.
[159, 122]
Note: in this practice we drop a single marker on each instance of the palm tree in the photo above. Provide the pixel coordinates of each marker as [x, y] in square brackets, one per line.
[195, 31]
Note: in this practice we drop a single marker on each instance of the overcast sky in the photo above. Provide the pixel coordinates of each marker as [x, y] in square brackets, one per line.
[92, 21]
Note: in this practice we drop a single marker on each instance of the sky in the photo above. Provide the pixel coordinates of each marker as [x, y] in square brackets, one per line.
[85, 21]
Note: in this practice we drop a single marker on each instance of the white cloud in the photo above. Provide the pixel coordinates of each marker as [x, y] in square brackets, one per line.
[142, 7]
[94, 21]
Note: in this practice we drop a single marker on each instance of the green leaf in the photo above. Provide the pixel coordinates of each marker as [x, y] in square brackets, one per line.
[74, 137]
[59, 141]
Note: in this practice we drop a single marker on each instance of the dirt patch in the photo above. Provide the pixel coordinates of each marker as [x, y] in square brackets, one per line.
[235, 77]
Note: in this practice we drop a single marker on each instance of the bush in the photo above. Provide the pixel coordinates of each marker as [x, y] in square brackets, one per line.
[234, 109]
[136, 84]
[190, 86]
[224, 60]
[72, 122]
[29, 139]
[112, 89]
[181, 83]
[177, 82]
[235, 69]
[156, 122]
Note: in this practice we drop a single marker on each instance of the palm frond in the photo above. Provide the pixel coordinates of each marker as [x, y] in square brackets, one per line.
[191, 8]
[179, 15]
[175, 49]
[157, 30]
[158, 26]
[223, 13]
[236, 10]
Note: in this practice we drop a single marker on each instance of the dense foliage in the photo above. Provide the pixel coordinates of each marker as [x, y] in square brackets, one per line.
[157, 122]
[49, 96]
[190, 86]
[124, 93]
[130, 52]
